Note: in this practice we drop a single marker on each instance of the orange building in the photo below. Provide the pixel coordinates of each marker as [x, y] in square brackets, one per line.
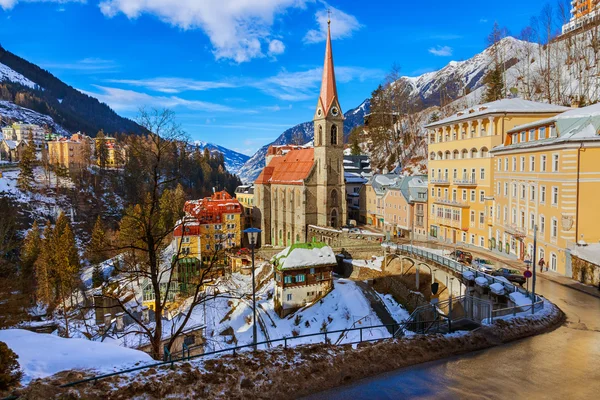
[582, 13]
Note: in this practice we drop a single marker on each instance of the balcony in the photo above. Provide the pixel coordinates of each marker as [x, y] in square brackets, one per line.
[516, 231]
[466, 182]
[441, 181]
[453, 203]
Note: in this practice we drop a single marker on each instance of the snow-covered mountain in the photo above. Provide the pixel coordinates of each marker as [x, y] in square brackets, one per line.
[11, 111]
[7, 74]
[233, 160]
[301, 134]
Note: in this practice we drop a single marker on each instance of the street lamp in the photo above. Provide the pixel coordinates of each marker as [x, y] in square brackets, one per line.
[253, 240]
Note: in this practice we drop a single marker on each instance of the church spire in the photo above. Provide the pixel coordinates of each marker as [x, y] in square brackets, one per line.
[328, 87]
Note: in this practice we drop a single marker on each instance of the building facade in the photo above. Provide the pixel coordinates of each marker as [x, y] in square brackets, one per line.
[582, 13]
[20, 131]
[461, 191]
[548, 177]
[357, 171]
[305, 186]
[70, 153]
[372, 199]
[303, 274]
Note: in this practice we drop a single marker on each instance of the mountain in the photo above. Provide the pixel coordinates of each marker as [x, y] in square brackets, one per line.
[301, 133]
[11, 111]
[233, 160]
[28, 86]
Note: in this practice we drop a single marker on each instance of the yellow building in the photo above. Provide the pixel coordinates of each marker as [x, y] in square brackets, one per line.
[460, 167]
[108, 152]
[69, 153]
[548, 174]
[372, 199]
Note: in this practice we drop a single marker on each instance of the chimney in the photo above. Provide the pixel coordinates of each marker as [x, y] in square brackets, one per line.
[107, 320]
[120, 324]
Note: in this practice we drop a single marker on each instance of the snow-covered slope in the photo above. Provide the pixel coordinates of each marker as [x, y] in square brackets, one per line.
[301, 133]
[233, 160]
[7, 74]
[11, 111]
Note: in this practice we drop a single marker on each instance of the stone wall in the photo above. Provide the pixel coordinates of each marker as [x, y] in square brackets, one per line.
[341, 239]
[585, 271]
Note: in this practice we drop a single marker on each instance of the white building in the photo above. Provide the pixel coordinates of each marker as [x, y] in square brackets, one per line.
[20, 131]
[303, 274]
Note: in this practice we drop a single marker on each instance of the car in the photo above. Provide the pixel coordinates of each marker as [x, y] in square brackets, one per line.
[483, 265]
[462, 256]
[512, 275]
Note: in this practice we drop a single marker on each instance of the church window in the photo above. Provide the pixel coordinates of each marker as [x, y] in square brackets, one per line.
[334, 135]
[334, 197]
[320, 136]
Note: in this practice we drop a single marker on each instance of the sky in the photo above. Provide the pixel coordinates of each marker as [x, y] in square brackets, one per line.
[239, 72]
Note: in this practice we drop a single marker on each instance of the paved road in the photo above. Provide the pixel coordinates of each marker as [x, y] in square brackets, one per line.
[563, 364]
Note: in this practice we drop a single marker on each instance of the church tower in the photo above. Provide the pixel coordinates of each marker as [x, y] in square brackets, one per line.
[329, 148]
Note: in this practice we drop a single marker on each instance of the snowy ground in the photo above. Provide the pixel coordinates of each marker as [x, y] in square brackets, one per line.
[374, 263]
[42, 355]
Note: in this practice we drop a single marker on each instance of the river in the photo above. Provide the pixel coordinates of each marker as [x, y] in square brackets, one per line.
[563, 364]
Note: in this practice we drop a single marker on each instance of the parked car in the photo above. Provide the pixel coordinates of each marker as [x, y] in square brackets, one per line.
[512, 275]
[462, 256]
[483, 265]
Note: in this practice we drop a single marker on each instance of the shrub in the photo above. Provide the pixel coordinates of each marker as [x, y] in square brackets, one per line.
[295, 332]
[10, 373]
[297, 320]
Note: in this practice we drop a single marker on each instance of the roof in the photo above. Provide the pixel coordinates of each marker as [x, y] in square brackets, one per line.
[303, 255]
[328, 88]
[381, 183]
[12, 144]
[412, 186]
[291, 169]
[210, 209]
[245, 189]
[575, 125]
[511, 106]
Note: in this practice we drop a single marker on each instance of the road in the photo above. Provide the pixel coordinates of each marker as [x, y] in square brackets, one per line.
[563, 364]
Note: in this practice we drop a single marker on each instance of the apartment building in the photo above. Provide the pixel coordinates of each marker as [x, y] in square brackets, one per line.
[547, 175]
[357, 171]
[461, 191]
[20, 132]
[73, 152]
[582, 13]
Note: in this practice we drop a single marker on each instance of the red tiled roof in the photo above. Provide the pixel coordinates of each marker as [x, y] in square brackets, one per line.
[291, 169]
[210, 210]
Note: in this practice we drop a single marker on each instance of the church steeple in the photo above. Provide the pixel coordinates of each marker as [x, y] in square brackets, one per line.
[328, 94]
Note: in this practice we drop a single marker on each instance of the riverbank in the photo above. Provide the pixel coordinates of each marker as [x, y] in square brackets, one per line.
[294, 372]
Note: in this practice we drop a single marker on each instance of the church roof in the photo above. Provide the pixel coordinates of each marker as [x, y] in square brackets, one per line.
[290, 169]
[328, 87]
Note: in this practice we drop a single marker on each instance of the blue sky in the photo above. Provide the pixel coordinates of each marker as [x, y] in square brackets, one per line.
[239, 72]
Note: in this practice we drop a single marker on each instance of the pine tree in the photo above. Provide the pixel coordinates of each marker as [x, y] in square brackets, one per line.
[10, 373]
[97, 276]
[30, 252]
[42, 267]
[26, 164]
[95, 251]
[495, 85]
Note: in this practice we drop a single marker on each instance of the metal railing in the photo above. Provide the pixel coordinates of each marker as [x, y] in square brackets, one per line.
[502, 312]
[169, 360]
[466, 182]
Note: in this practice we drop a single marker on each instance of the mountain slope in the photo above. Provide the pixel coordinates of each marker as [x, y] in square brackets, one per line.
[11, 111]
[301, 133]
[29, 86]
[233, 160]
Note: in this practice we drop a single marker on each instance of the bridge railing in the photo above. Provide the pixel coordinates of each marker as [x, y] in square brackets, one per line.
[456, 266]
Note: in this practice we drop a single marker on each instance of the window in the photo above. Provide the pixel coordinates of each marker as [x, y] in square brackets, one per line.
[532, 193]
[553, 262]
[532, 163]
[481, 218]
[289, 297]
[287, 279]
[472, 196]
[543, 164]
[482, 174]
[522, 137]
[300, 278]
[454, 174]
[439, 192]
[505, 214]
[514, 164]
[523, 192]
[334, 135]
[542, 224]
[481, 241]
[481, 196]
[522, 164]
[499, 188]
[506, 164]
[553, 131]
[532, 221]
[464, 195]
[472, 239]
[554, 195]
[554, 228]
[432, 192]
[506, 189]
[453, 194]
[514, 191]
[532, 135]
[472, 217]
[554, 162]
[514, 215]
[542, 134]
[542, 194]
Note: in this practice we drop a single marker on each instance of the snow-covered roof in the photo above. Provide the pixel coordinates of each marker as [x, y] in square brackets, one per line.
[589, 253]
[515, 106]
[302, 255]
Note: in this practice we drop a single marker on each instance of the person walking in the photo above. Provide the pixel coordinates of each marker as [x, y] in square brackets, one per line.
[541, 263]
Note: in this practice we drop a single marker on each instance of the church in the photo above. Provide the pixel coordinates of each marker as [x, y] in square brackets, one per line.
[302, 186]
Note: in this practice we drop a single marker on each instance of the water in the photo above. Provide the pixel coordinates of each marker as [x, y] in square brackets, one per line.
[563, 364]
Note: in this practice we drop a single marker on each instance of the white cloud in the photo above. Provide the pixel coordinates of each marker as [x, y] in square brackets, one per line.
[236, 28]
[483, 21]
[276, 47]
[8, 4]
[90, 64]
[442, 51]
[129, 100]
[342, 26]
[173, 85]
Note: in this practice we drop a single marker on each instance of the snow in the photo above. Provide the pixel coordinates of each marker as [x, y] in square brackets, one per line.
[398, 313]
[468, 275]
[589, 253]
[520, 299]
[481, 281]
[301, 257]
[497, 288]
[7, 74]
[42, 355]
[374, 263]
[11, 111]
